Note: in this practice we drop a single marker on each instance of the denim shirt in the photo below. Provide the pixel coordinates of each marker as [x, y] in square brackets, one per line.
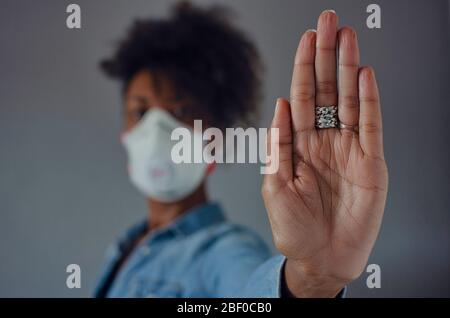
[199, 255]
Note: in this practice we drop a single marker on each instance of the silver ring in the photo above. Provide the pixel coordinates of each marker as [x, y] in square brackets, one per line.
[354, 128]
[326, 117]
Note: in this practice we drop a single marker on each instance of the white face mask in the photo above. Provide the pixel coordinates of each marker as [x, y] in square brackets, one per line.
[151, 168]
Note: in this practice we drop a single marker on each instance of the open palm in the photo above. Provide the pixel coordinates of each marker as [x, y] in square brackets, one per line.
[326, 201]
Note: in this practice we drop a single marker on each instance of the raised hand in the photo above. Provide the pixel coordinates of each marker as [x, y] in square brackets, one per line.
[326, 201]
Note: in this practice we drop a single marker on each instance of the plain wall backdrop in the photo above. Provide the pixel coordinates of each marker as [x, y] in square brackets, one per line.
[64, 192]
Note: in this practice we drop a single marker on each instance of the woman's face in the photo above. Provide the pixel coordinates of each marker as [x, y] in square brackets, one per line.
[143, 93]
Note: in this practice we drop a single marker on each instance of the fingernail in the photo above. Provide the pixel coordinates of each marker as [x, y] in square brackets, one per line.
[371, 72]
[347, 36]
[307, 41]
[329, 10]
[367, 72]
[277, 104]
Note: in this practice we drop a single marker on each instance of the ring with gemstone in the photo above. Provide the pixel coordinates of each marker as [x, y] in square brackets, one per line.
[326, 117]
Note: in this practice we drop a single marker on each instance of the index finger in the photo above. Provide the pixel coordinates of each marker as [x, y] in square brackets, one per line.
[303, 84]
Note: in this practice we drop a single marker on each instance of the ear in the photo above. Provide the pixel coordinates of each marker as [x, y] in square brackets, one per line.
[210, 168]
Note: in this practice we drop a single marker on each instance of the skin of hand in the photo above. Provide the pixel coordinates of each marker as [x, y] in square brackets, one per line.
[326, 201]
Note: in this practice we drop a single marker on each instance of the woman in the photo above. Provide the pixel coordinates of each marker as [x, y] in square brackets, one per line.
[325, 203]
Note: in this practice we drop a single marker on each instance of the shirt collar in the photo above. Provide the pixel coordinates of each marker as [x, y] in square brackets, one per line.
[193, 220]
[198, 218]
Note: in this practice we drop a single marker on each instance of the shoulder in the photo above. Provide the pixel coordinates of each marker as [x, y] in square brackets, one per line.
[229, 238]
[232, 255]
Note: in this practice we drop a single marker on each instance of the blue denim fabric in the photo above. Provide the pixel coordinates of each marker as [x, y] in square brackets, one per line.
[199, 255]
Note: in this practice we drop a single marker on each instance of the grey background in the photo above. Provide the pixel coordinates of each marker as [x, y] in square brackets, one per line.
[64, 193]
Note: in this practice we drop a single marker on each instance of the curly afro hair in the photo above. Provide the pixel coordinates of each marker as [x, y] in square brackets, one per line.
[208, 62]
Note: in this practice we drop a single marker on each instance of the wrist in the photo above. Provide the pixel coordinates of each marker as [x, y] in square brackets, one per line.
[304, 281]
